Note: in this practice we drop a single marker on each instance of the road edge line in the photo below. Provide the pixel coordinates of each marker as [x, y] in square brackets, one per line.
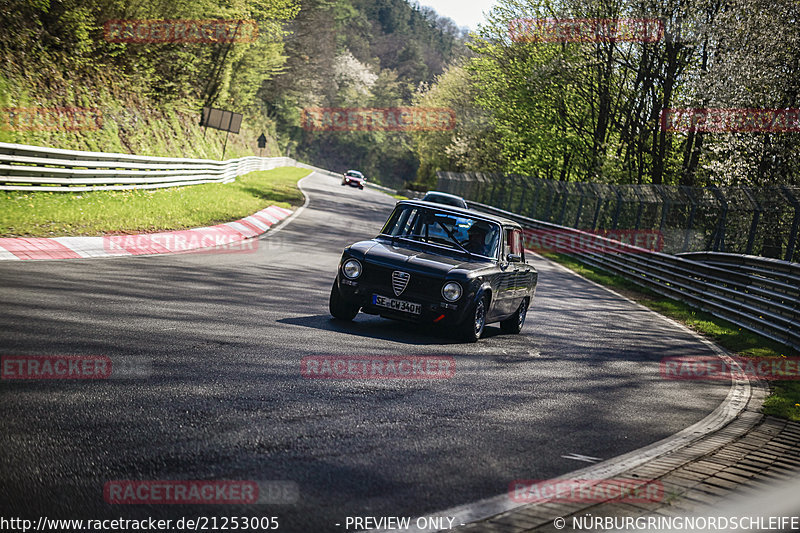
[737, 401]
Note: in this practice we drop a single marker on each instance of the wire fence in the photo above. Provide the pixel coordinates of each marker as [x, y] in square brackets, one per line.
[744, 220]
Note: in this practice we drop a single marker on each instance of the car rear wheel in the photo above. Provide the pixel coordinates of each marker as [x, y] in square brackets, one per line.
[339, 307]
[473, 325]
[514, 323]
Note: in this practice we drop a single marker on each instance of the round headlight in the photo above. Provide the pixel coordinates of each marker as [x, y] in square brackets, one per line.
[451, 291]
[351, 268]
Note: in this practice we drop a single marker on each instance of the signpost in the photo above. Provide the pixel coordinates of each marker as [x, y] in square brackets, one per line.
[227, 121]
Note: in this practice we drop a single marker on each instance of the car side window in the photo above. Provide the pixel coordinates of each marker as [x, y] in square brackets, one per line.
[516, 243]
[513, 244]
[507, 244]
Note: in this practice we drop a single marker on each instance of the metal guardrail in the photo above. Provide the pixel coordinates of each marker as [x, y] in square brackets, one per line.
[762, 221]
[36, 168]
[758, 294]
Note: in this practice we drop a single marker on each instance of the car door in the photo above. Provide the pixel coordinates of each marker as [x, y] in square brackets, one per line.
[523, 272]
[506, 280]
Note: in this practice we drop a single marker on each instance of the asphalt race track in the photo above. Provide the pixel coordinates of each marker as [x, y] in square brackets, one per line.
[218, 339]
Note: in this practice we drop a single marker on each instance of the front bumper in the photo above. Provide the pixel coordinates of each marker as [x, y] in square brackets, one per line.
[437, 311]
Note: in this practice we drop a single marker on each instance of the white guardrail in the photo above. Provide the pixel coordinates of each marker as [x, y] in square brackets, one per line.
[36, 168]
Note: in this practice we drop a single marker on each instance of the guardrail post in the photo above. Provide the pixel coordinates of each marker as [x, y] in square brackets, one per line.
[751, 235]
[550, 199]
[619, 207]
[523, 181]
[638, 209]
[719, 232]
[484, 194]
[536, 196]
[598, 205]
[509, 190]
[477, 187]
[463, 185]
[690, 221]
[795, 222]
[666, 204]
[493, 194]
[580, 206]
[563, 207]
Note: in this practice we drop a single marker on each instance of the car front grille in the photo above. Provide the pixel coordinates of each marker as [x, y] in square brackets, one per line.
[419, 286]
[400, 281]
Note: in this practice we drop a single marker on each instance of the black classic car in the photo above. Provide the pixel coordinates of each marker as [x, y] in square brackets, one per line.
[438, 264]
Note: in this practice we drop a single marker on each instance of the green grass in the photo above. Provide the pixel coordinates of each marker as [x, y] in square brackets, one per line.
[58, 214]
[784, 401]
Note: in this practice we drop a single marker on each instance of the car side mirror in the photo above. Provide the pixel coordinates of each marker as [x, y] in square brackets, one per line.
[514, 258]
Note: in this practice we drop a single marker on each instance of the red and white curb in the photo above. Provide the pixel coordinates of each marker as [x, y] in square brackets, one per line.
[15, 249]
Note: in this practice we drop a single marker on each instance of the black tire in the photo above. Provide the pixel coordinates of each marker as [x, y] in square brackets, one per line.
[339, 307]
[514, 323]
[472, 327]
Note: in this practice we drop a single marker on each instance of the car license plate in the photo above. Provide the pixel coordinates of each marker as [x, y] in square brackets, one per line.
[397, 305]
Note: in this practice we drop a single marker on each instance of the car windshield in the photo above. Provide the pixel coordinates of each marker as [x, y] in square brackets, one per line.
[472, 235]
[354, 174]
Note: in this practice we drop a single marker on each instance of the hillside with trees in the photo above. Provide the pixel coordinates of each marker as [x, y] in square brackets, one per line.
[573, 111]
[359, 53]
[58, 54]
[590, 111]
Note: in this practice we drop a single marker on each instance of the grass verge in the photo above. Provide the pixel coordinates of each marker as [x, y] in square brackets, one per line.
[59, 214]
[784, 400]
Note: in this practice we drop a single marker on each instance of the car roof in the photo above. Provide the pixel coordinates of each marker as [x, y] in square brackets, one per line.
[460, 211]
[356, 171]
[447, 194]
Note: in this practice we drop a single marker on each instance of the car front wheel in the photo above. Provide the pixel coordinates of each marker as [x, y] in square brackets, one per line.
[472, 327]
[339, 307]
[514, 323]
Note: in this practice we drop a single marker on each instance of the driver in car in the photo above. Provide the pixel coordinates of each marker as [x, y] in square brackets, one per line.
[477, 238]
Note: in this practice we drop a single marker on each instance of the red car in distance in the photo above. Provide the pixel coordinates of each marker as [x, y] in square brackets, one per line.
[354, 178]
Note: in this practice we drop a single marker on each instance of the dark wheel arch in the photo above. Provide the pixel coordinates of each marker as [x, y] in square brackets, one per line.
[514, 323]
[339, 307]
